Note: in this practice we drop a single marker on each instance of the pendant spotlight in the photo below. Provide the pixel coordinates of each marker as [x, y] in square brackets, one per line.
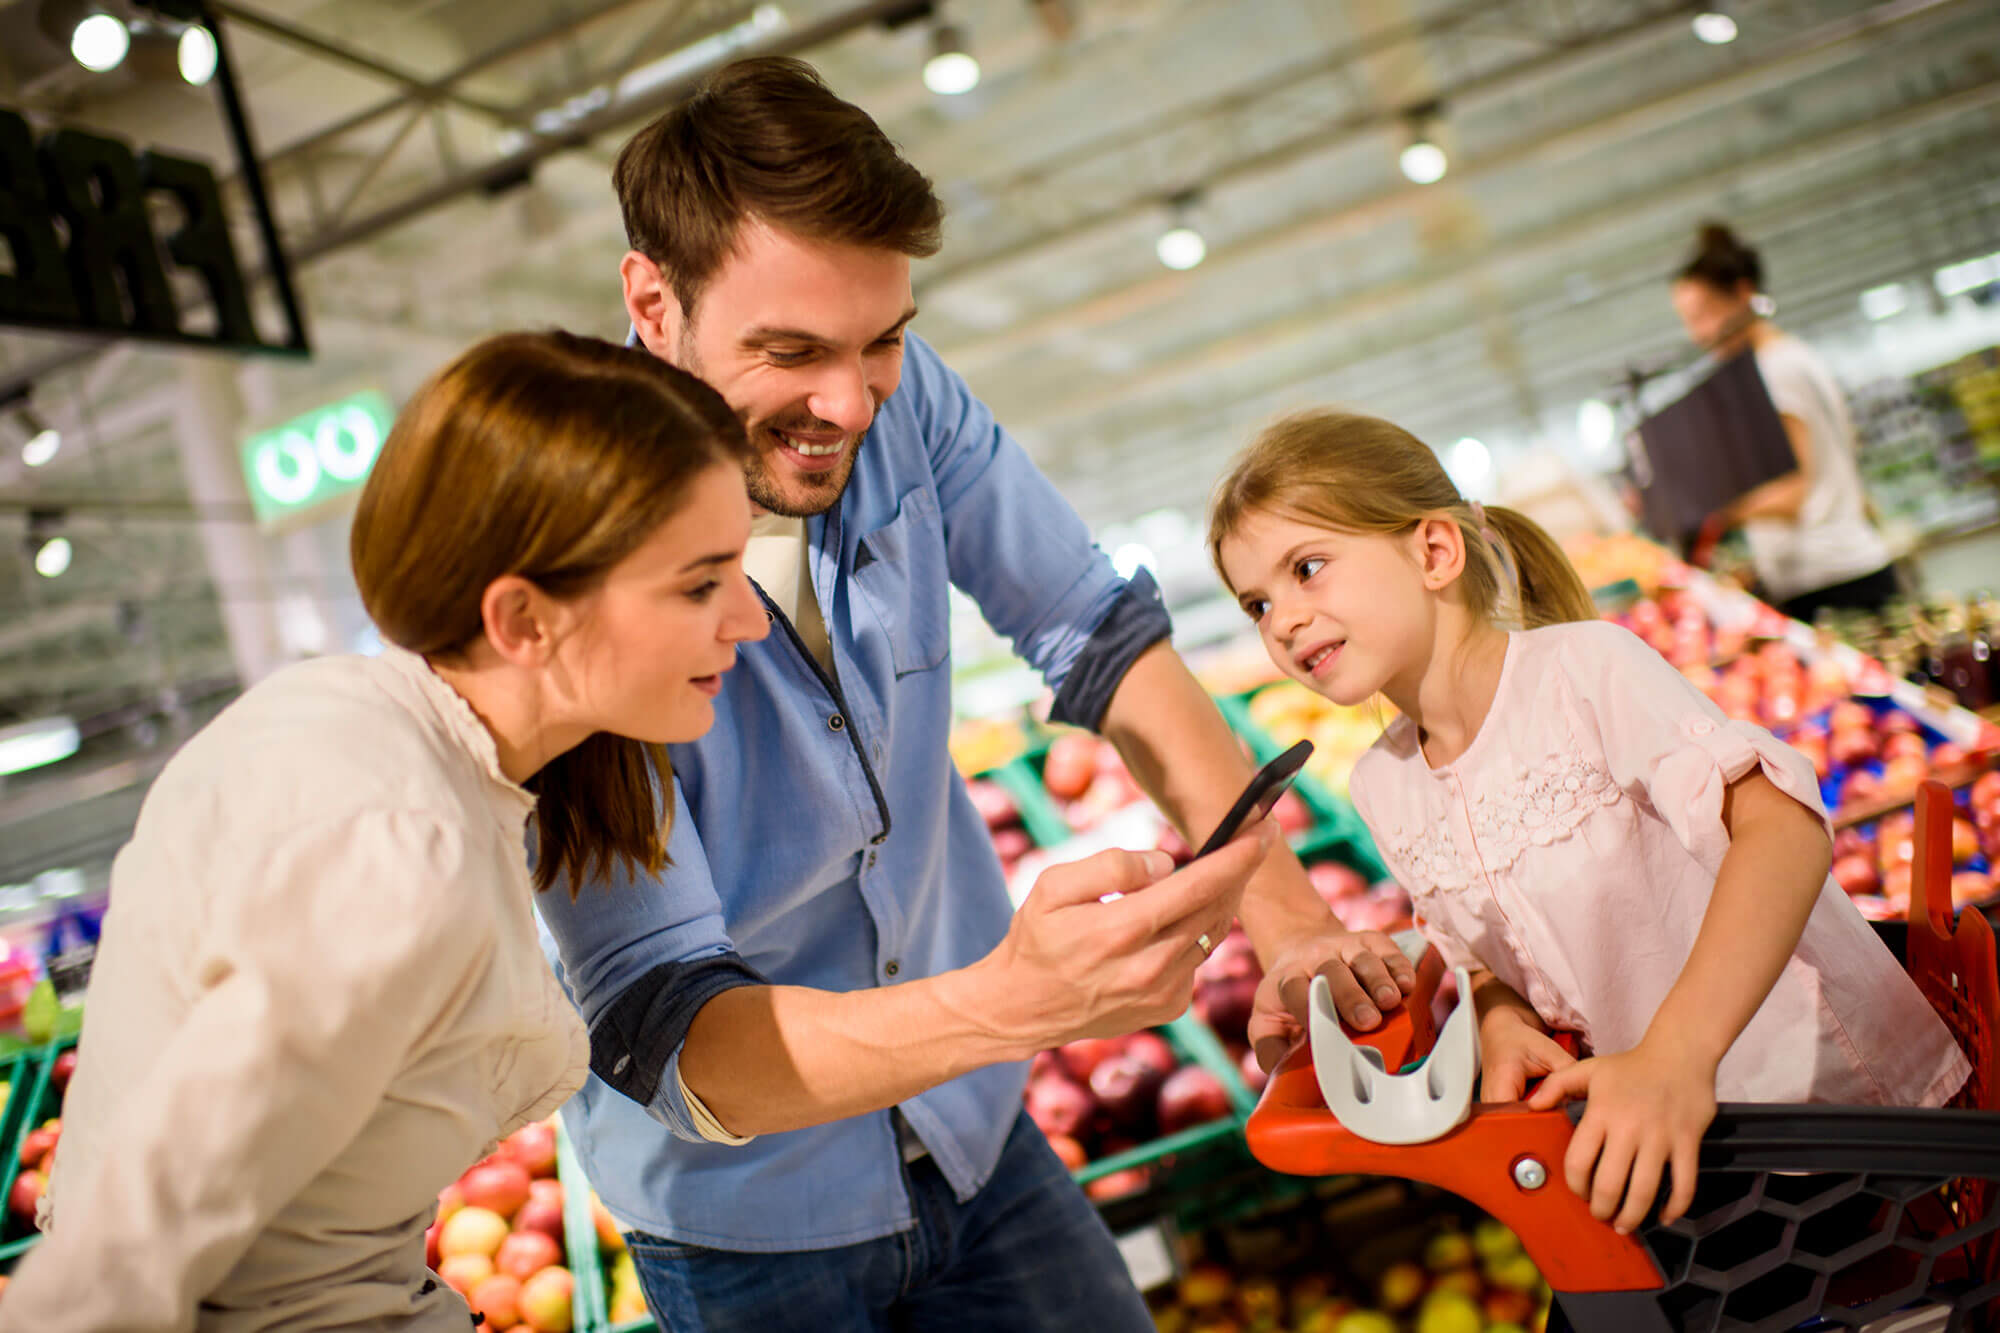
[951, 70]
[1715, 27]
[1423, 161]
[1181, 246]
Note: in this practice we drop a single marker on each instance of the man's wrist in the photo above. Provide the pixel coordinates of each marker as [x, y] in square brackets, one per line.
[990, 1016]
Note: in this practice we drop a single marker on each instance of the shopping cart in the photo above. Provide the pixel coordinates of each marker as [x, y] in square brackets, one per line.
[1814, 1217]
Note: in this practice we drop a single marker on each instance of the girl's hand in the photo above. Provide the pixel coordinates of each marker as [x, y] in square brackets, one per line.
[1513, 1053]
[1649, 1107]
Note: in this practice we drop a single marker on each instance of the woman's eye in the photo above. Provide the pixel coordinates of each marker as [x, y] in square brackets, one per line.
[704, 592]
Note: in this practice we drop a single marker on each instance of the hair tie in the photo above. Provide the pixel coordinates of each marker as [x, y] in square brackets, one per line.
[1510, 573]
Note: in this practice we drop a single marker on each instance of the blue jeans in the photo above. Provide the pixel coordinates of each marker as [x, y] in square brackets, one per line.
[1027, 1253]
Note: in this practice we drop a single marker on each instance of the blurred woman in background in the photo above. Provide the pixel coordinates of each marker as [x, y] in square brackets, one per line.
[1811, 541]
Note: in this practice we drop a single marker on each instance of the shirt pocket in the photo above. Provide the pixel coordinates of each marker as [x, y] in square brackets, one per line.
[901, 577]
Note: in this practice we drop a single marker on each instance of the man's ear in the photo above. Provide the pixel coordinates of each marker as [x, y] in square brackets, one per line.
[651, 305]
[1440, 550]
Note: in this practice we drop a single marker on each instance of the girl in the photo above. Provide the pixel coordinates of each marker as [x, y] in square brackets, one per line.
[319, 994]
[1577, 824]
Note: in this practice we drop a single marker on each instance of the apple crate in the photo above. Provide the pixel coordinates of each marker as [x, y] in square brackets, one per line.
[33, 1100]
[1337, 825]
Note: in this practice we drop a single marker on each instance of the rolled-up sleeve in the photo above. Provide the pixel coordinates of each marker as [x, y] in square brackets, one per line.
[640, 955]
[1018, 549]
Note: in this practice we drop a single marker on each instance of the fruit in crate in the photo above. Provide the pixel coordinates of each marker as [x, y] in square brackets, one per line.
[1191, 1096]
[38, 1144]
[545, 1301]
[25, 1194]
[463, 1272]
[543, 1211]
[498, 1186]
[498, 1300]
[1070, 766]
[533, 1149]
[473, 1230]
[1225, 986]
[525, 1253]
[63, 1068]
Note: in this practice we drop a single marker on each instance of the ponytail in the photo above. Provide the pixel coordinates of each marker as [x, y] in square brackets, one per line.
[1549, 591]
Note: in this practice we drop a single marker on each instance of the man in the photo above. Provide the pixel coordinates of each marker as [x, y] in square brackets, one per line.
[821, 838]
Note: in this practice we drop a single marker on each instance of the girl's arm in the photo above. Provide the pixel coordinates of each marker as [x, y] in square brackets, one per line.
[1650, 1105]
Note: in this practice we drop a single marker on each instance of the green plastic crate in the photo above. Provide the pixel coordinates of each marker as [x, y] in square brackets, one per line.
[588, 1312]
[33, 1100]
[1338, 829]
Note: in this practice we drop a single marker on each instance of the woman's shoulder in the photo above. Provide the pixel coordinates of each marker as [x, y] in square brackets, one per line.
[315, 739]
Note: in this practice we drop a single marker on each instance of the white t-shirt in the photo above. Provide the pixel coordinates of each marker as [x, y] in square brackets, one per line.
[776, 557]
[1832, 540]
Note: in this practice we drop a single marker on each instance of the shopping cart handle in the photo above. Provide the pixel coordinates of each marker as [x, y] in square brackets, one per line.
[1384, 1106]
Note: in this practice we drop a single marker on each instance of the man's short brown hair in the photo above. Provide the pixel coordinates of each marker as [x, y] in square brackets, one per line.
[766, 138]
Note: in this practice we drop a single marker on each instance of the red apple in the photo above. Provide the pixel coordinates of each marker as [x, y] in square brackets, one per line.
[1895, 722]
[1069, 1152]
[431, 1254]
[1126, 1087]
[1857, 874]
[551, 1190]
[1292, 814]
[1970, 886]
[450, 1199]
[1964, 841]
[1335, 883]
[27, 1192]
[1151, 1048]
[543, 1217]
[545, 1301]
[37, 1144]
[1986, 792]
[1849, 715]
[1060, 1106]
[994, 803]
[1191, 1096]
[1947, 756]
[1902, 743]
[533, 1148]
[1903, 775]
[1082, 1056]
[1849, 747]
[1860, 787]
[501, 1187]
[498, 1298]
[62, 1069]
[526, 1253]
[463, 1272]
[1119, 1183]
[1225, 1004]
[1071, 766]
[1011, 844]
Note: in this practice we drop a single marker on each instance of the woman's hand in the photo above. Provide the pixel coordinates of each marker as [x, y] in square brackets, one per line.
[1648, 1108]
[1513, 1052]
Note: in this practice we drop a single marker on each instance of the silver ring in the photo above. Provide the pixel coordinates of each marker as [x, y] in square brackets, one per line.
[1206, 945]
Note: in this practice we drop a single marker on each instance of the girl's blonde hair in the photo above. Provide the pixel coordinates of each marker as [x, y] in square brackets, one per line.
[1360, 474]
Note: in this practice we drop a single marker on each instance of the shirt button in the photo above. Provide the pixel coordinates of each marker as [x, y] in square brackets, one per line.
[836, 722]
[871, 860]
[878, 840]
[891, 968]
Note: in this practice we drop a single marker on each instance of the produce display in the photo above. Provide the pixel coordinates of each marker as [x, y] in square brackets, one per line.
[1447, 1274]
[41, 1132]
[1103, 1097]
[498, 1237]
[1288, 712]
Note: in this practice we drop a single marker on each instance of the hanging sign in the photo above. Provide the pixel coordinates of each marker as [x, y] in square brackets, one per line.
[315, 457]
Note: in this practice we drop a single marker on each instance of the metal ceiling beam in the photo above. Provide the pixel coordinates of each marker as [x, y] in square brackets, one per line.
[519, 164]
[1812, 53]
[1550, 239]
[414, 86]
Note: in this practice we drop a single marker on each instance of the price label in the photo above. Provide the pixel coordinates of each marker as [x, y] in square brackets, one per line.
[1149, 1256]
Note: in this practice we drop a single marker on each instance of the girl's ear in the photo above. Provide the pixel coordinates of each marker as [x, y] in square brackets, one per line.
[1440, 549]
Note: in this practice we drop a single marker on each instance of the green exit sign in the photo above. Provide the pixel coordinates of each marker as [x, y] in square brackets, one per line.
[312, 458]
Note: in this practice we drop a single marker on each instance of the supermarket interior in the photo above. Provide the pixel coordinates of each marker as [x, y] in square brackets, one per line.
[1166, 224]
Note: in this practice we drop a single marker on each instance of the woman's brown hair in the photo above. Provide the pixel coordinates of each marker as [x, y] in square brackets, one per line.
[552, 457]
[767, 138]
[1361, 474]
[1723, 261]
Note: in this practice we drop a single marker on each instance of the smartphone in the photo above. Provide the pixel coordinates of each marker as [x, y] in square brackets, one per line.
[1271, 782]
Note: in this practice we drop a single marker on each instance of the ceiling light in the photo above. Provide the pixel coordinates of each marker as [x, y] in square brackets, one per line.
[29, 745]
[1715, 27]
[1424, 162]
[41, 446]
[196, 55]
[1471, 467]
[52, 557]
[100, 42]
[1596, 423]
[1886, 301]
[1181, 247]
[951, 70]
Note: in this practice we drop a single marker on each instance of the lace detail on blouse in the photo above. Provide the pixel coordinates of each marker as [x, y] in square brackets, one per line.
[1544, 804]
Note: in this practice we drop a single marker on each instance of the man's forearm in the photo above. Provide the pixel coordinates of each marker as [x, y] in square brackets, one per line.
[765, 1059]
[1780, 498]
[1183, 754]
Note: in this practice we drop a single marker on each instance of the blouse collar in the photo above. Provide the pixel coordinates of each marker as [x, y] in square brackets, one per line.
[463, 726]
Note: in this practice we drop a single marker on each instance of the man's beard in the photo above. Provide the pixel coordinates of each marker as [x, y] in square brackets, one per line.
[811, 494]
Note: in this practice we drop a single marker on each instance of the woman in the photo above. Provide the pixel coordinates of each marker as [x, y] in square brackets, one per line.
[1810, 539]
[319, 993]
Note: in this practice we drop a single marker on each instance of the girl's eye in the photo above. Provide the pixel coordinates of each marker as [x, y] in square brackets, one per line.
[1256, 608]
[1308, 567]
[703, 592]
